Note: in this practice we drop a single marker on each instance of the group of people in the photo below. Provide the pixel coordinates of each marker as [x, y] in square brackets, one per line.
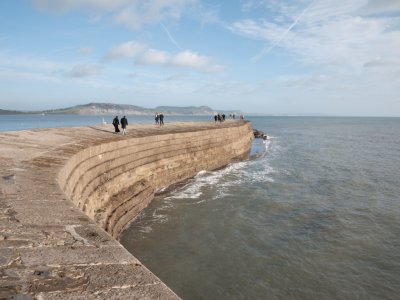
[159, 118]
[116, 123]
[221, 117]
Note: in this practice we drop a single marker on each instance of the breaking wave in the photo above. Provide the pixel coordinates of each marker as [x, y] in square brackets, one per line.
[216, 184]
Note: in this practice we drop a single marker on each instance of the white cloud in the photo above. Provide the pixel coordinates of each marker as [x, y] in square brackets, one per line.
[84, 70]
[379, 62]
[190, 60]
[63, 6]
[131, 13]
[154, 57]
[381, 6]
[344, 55]
[125, 50]
[186, 59]
[140, 13]
[321, 10]
[330, 34]
[258, 29]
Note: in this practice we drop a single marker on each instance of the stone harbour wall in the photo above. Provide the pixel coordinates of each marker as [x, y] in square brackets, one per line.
[66, 194]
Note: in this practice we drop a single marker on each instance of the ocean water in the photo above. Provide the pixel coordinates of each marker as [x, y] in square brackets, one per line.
[315, 216]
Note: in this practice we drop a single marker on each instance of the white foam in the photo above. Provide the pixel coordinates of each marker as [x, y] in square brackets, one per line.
[159, 217]
[202, 172]
[161, 190]
[221, 181]
[193, 189]
[267, 144]
[145, 229]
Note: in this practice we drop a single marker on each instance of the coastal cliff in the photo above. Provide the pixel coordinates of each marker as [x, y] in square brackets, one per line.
[61, 187]
[113, 109]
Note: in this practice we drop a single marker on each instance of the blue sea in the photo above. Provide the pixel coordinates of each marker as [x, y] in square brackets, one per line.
[315, 216]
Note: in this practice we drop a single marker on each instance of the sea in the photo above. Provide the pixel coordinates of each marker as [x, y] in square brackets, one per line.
[314, 214]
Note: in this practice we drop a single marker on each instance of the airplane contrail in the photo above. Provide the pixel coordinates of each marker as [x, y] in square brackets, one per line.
[266, 50]
[171, 38]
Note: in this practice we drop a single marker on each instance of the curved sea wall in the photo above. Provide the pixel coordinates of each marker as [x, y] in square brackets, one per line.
[52, 248]
[113, 182]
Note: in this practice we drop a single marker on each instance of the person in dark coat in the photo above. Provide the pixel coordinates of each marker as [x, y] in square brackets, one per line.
[156, 117]
[115, 122]
[124, 122]
[161, 119]
[215, 118]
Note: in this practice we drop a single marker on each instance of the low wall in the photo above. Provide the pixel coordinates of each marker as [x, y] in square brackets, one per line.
[52, 250]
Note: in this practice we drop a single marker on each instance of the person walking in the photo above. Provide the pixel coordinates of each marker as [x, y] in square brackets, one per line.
[156, 117]
[124, 122]
[115, 122]
[161, 119]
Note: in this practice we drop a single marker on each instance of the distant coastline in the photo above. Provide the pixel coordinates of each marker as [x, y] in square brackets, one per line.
[121, 109]
[10, 112]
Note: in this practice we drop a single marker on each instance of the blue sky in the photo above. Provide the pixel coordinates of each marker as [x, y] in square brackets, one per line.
[333, 57]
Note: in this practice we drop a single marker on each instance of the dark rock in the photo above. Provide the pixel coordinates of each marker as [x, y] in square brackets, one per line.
[258, 134]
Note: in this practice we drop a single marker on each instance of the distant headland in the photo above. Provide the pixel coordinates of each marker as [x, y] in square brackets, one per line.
[120, 109]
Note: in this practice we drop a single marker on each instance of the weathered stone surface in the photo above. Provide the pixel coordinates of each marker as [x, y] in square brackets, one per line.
[65, 193]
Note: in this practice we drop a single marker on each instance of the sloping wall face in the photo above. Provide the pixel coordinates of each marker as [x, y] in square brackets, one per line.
[113, 182]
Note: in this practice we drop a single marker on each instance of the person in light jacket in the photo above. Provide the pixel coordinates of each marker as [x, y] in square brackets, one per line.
[124, 122]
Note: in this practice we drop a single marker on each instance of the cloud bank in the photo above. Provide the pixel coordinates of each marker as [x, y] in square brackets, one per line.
[147, 56]
[133, 14]
[329, 33]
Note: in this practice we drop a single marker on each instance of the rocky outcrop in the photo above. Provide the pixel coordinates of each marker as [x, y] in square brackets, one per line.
[52, 248]
[258, 134]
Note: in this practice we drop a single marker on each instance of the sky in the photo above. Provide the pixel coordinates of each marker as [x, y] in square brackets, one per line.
[307, 57]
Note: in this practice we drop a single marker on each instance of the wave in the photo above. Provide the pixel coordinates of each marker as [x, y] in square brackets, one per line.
[193, 189]
[217, 184]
